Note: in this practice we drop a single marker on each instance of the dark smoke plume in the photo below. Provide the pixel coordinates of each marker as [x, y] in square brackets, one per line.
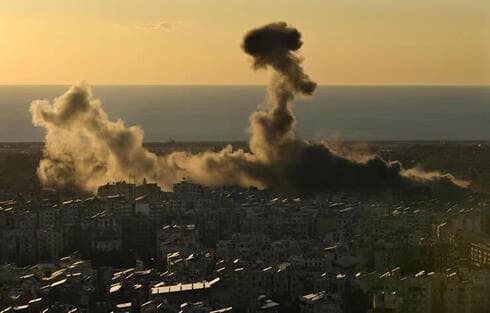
[272, 45]
[85, 149]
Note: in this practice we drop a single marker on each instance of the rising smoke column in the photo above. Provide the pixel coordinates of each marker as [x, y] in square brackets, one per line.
[272, 45]
[85, 149]
[298, 165]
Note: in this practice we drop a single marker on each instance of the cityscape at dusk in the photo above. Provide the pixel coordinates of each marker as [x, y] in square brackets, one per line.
[245, 156]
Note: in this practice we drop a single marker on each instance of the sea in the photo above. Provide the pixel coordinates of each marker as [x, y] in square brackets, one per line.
[220, 113]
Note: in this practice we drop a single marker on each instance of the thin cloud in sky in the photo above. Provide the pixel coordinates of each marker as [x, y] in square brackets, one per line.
[162, 25]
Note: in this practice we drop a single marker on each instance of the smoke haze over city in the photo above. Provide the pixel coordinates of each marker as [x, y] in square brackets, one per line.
[84, 148]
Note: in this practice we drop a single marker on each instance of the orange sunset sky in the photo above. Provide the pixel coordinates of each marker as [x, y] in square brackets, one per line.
[352, 42]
